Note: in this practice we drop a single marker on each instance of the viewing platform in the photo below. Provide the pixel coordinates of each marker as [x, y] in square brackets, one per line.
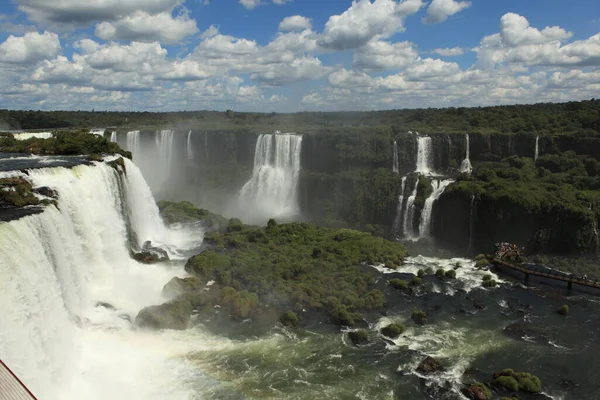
[11, 388]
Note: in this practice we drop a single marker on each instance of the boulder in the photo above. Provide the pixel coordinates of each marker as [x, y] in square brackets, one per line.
[179, 286]
[46, 191]
[429, 365]
[477, 391]
[171, 315]
[151, 254]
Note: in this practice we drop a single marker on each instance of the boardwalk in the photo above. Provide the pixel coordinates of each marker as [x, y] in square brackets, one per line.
[11, 387]
[545, 272]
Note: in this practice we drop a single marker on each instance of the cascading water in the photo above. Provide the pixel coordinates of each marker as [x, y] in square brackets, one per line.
[466, 166]
[271, 191]
[425, 222]
[537, 148]
[190, 150]
[424, 155]
[113, 136]
[398, 218]
[409, 212]
[133, 143]
[29, 135]
[56, 267]
[395, 167]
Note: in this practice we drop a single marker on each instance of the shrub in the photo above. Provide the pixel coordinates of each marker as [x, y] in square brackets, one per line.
[507, 382]
[419, 317]
[450, 274]
[440, 273]
[398, 284]
[487, 277]
[564, 310]
[489, 283]
[415, 281]
[392, 330]
[290, 319]
[234, 225]
[420, 273]
[518, 381]
[359, 337]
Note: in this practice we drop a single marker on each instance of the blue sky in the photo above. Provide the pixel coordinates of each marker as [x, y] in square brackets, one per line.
[294, 55]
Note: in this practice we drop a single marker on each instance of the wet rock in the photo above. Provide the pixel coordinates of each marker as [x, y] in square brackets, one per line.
[429, 365]
[126, 317]
[568, 384]
[46, 191]
[477, 391]
[171, 315]
[178, 286]
[151, 254]
[105, 305]
[478, 305]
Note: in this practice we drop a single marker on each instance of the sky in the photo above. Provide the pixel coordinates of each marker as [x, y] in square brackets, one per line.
[295, 55]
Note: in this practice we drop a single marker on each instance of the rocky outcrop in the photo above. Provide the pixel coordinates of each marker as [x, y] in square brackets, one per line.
[150, 254]
[172, 315]
[429, 365]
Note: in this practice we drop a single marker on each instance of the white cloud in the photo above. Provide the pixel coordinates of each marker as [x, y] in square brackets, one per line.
[299, 69]
[518, 42]
[142, 26]
[450, 52]
[81, 13]
[250, 4]
[29, 48]
[440, 10]
[295, 23]
[281, 2]
[136, 56]
[186, 70]
[379, 55]
[364, 21]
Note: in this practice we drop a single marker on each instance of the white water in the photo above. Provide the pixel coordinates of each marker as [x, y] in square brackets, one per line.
[395, 167]
[424, 155]
[29, 135]
[466, 166]
[537, 148]
[97, 131]
[133, 143]
[113, 136]
[271, 191]
[54, 268]
[399, 209]
[190, 150]
[409, 212]
[425, 222]
[164, 146]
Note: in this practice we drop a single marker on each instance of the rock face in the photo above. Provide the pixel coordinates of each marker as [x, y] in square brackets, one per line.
[429, 365]
[151, 254]
[171, 315]
[180, 286]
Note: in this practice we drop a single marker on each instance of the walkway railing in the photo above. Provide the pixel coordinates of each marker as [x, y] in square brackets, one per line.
[11, 387]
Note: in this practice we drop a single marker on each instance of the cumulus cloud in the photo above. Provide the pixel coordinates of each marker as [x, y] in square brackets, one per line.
[142, 26]
[250, 4]
[380, 55]
[295, 23]
[29, 48]
[518, 42]
[440, 10]
[450, 52]
[364, 21]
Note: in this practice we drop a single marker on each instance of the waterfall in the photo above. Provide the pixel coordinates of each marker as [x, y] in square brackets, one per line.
[29, 135]
[537, 148]
[465, 166]
[54, 269]
[409, 212]
[424, 155]
[425, 222]
[190, 150]
[398, 218]
[471, 225]
[113, 136]
[395, 166]
[133, 143]
[271, 191]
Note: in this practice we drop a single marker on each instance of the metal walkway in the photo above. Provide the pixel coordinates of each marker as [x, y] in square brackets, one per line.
[11, 388]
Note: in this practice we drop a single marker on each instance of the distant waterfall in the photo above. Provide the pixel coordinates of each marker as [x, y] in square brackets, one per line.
[471, 225]
[424, 155]
[425, 223]
[271, 191]
[133, 142]
[465, 166]
[190, 150]
[164, 147]
[537, 148]
[409, 212]
[395, 166]
[113, 136]
[398, 218]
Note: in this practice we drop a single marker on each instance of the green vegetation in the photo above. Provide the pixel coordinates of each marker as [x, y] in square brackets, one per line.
[290, 319]
[419, 317]
[440, 273]
[548, 118]
[450, 274]
[564, 309]
[420, 273]
[478, 391]
[294, 266]
[186, 212]
[63, 143]
[517, 381]
[16, 192]
[416, 281]
[359, 337]
[487, 281]
[398, 284]
[392, 330]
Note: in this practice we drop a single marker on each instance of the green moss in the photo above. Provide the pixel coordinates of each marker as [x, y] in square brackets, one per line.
[517, 381]
[16, 192]
[186, 212]
[392, 330]
[508, 383]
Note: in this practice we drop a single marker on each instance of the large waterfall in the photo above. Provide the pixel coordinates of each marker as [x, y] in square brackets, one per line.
[409, 212]
[113, 136]
[395, 167]
[398, 218]
[424, 155]
[271, 191]
[537, 148]
[190, 149]
[465, 166]
[438, 187]
[133, 142]
[68, 289]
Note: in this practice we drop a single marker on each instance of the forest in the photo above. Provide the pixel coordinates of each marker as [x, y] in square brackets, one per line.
[575, 117]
